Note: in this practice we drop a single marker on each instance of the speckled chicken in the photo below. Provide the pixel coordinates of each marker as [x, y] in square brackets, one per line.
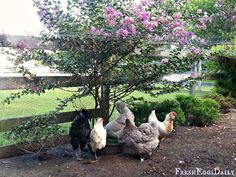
[142, 140]
[115, 127]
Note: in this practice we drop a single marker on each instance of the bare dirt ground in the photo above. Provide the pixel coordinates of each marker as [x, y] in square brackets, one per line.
[188, 149]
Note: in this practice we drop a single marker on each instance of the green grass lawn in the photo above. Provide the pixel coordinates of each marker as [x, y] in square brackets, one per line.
[33, 104]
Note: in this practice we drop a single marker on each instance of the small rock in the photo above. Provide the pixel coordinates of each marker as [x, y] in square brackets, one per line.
[181, 162]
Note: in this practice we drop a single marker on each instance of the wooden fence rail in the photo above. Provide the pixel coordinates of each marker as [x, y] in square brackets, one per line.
[8, 124]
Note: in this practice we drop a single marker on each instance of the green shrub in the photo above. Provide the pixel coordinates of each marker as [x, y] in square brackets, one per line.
[186, 102]
[224, 102]
[226, 76]
[143, 109]
[199, 112]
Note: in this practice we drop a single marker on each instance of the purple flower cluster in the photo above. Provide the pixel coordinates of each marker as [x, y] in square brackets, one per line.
[22, 44]
[132, 30]
[96, 31]
[128, 20]
[203, 21]
[143, 16]
[111, 15]
[177, 15]
[129, 25]
[127, 28]
[171, 27]
[182, 35]
[176, 24]
[196, 51]
[145, 2]
[149, 25]
[35, 88]
[202, 41]
[156, 38]
[164, 61]
[122, 32]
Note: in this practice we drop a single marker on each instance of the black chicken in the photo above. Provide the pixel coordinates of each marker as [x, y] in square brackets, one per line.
[79, 133]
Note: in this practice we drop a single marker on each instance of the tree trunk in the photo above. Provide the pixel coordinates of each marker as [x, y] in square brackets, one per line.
[105, 106]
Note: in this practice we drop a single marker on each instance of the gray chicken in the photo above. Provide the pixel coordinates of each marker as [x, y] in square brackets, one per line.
[115, 127]
[142, 140]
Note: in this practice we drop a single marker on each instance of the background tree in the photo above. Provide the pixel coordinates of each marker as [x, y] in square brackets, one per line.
[220, 34]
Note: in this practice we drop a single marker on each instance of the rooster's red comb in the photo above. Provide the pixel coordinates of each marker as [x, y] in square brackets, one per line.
[174, 113]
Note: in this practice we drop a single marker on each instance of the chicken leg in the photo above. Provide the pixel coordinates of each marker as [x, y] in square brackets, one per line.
[95, 155]
[158, 146]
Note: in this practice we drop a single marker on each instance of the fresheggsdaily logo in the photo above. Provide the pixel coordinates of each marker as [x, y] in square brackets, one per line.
[200, 171]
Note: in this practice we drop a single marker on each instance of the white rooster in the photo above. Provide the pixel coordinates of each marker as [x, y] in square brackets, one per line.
[165, 127]
[115, 127]
[98, 136]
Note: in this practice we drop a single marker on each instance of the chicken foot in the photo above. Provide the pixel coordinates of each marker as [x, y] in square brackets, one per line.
[78, 154]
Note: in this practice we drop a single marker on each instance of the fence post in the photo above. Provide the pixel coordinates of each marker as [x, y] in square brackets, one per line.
[193, 88]
[199, 74]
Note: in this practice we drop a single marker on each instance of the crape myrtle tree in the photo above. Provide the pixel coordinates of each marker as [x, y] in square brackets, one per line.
[111, 48]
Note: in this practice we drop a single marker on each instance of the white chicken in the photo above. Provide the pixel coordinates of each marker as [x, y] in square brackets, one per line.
[115, 127]
[98, 137]
[165, 127]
